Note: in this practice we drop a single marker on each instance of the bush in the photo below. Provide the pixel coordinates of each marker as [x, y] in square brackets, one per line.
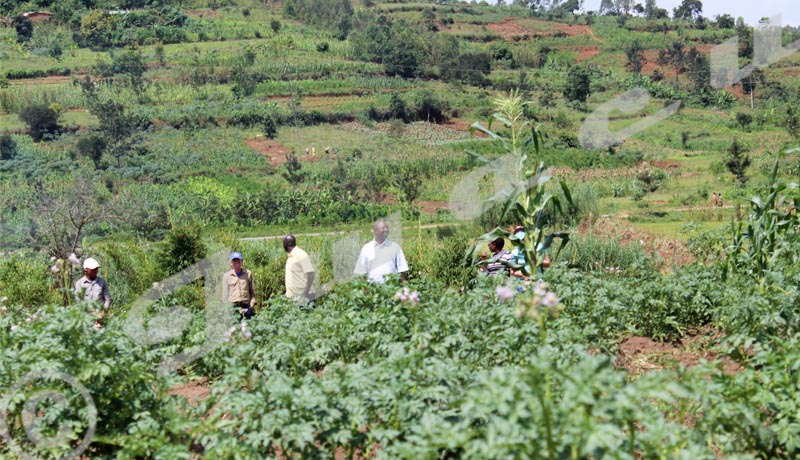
[8, 147]
[41, 120]
[182, 247]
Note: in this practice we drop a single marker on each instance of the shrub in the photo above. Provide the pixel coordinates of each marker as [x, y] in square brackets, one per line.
[41, 120]
[182, 247]
[8, 147]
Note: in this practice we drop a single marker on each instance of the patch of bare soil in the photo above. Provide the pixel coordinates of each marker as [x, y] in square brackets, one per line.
[651, 64]
[587, 53]
[276, 152]
[573, 29]
[458, 124]
[638, 355]
[507, 28]
[193, 392]
[425, 206]
[201, 13]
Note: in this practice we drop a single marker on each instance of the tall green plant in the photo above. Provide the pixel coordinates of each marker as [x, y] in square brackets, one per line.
[765, 238]
[527, 199]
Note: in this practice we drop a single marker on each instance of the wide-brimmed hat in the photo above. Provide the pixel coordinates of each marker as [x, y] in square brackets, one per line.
[90, 264]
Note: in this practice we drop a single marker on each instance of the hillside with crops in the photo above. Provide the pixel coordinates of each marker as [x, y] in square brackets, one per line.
[642, 164]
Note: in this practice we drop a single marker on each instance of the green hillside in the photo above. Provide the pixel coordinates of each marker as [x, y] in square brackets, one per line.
[159, 135]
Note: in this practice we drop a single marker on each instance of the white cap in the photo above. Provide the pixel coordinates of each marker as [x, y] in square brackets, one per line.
[90, 263]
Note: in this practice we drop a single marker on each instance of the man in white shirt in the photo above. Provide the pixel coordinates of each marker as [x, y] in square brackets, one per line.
[381, 257]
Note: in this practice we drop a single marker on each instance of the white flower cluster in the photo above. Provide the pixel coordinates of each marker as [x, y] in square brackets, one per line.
[608, 270]
[59, 264]
[407, 295]
[543, 300]
[229, 334]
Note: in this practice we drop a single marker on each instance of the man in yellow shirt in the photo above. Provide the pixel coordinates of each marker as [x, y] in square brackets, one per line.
[300, 273]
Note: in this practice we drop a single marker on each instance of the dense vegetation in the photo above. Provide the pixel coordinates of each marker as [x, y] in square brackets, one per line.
[153, 135]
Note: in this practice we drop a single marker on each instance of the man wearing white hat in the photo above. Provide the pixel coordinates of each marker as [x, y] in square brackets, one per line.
[92, 287]
[238, 288]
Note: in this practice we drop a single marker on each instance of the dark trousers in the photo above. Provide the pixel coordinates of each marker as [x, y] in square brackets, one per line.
[238, 313]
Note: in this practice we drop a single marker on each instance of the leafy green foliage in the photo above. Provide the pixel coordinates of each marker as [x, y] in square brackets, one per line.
[182, 247]
[42, 121]
[24, 28]
[332, 15]
[578, 86]
[8, 147]
[737, 162]
[767, 238]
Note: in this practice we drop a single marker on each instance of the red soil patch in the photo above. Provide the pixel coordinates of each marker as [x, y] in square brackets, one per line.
[507, 28]
[193, 392]
[572, 29]
[651, 64]
[427, 207]
[201, 13]
[458, 124]
[641, 354]
[737, 91]
[664, 164]
[584, 52]
[791, 72]
[276, 152]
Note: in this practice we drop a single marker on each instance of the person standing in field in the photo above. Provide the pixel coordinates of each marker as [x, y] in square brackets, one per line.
[381, 256]
[300, 273]
[238, 288]
[92, 287]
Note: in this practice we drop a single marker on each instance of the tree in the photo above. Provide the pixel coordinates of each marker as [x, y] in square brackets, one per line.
[409, 181]
[737, 163]
[116, 126]
[66, 210]
[650, 9]
[477, 65]
[92, 147]
[8, 147]
[791, 122]
[751, 82]
[42, 120]
[744, 120]
[131, 65]
[23, 27]
[578, 87]
[182, 247]
[636, 60]
[293, 169]
[688, 10]
[675, 56]
[269, 126]
[445, 53]
[430, 108]
[275, 25]
[725, 21]
[397, 107]
[98, 28]
[403, 55]
[699, 69]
